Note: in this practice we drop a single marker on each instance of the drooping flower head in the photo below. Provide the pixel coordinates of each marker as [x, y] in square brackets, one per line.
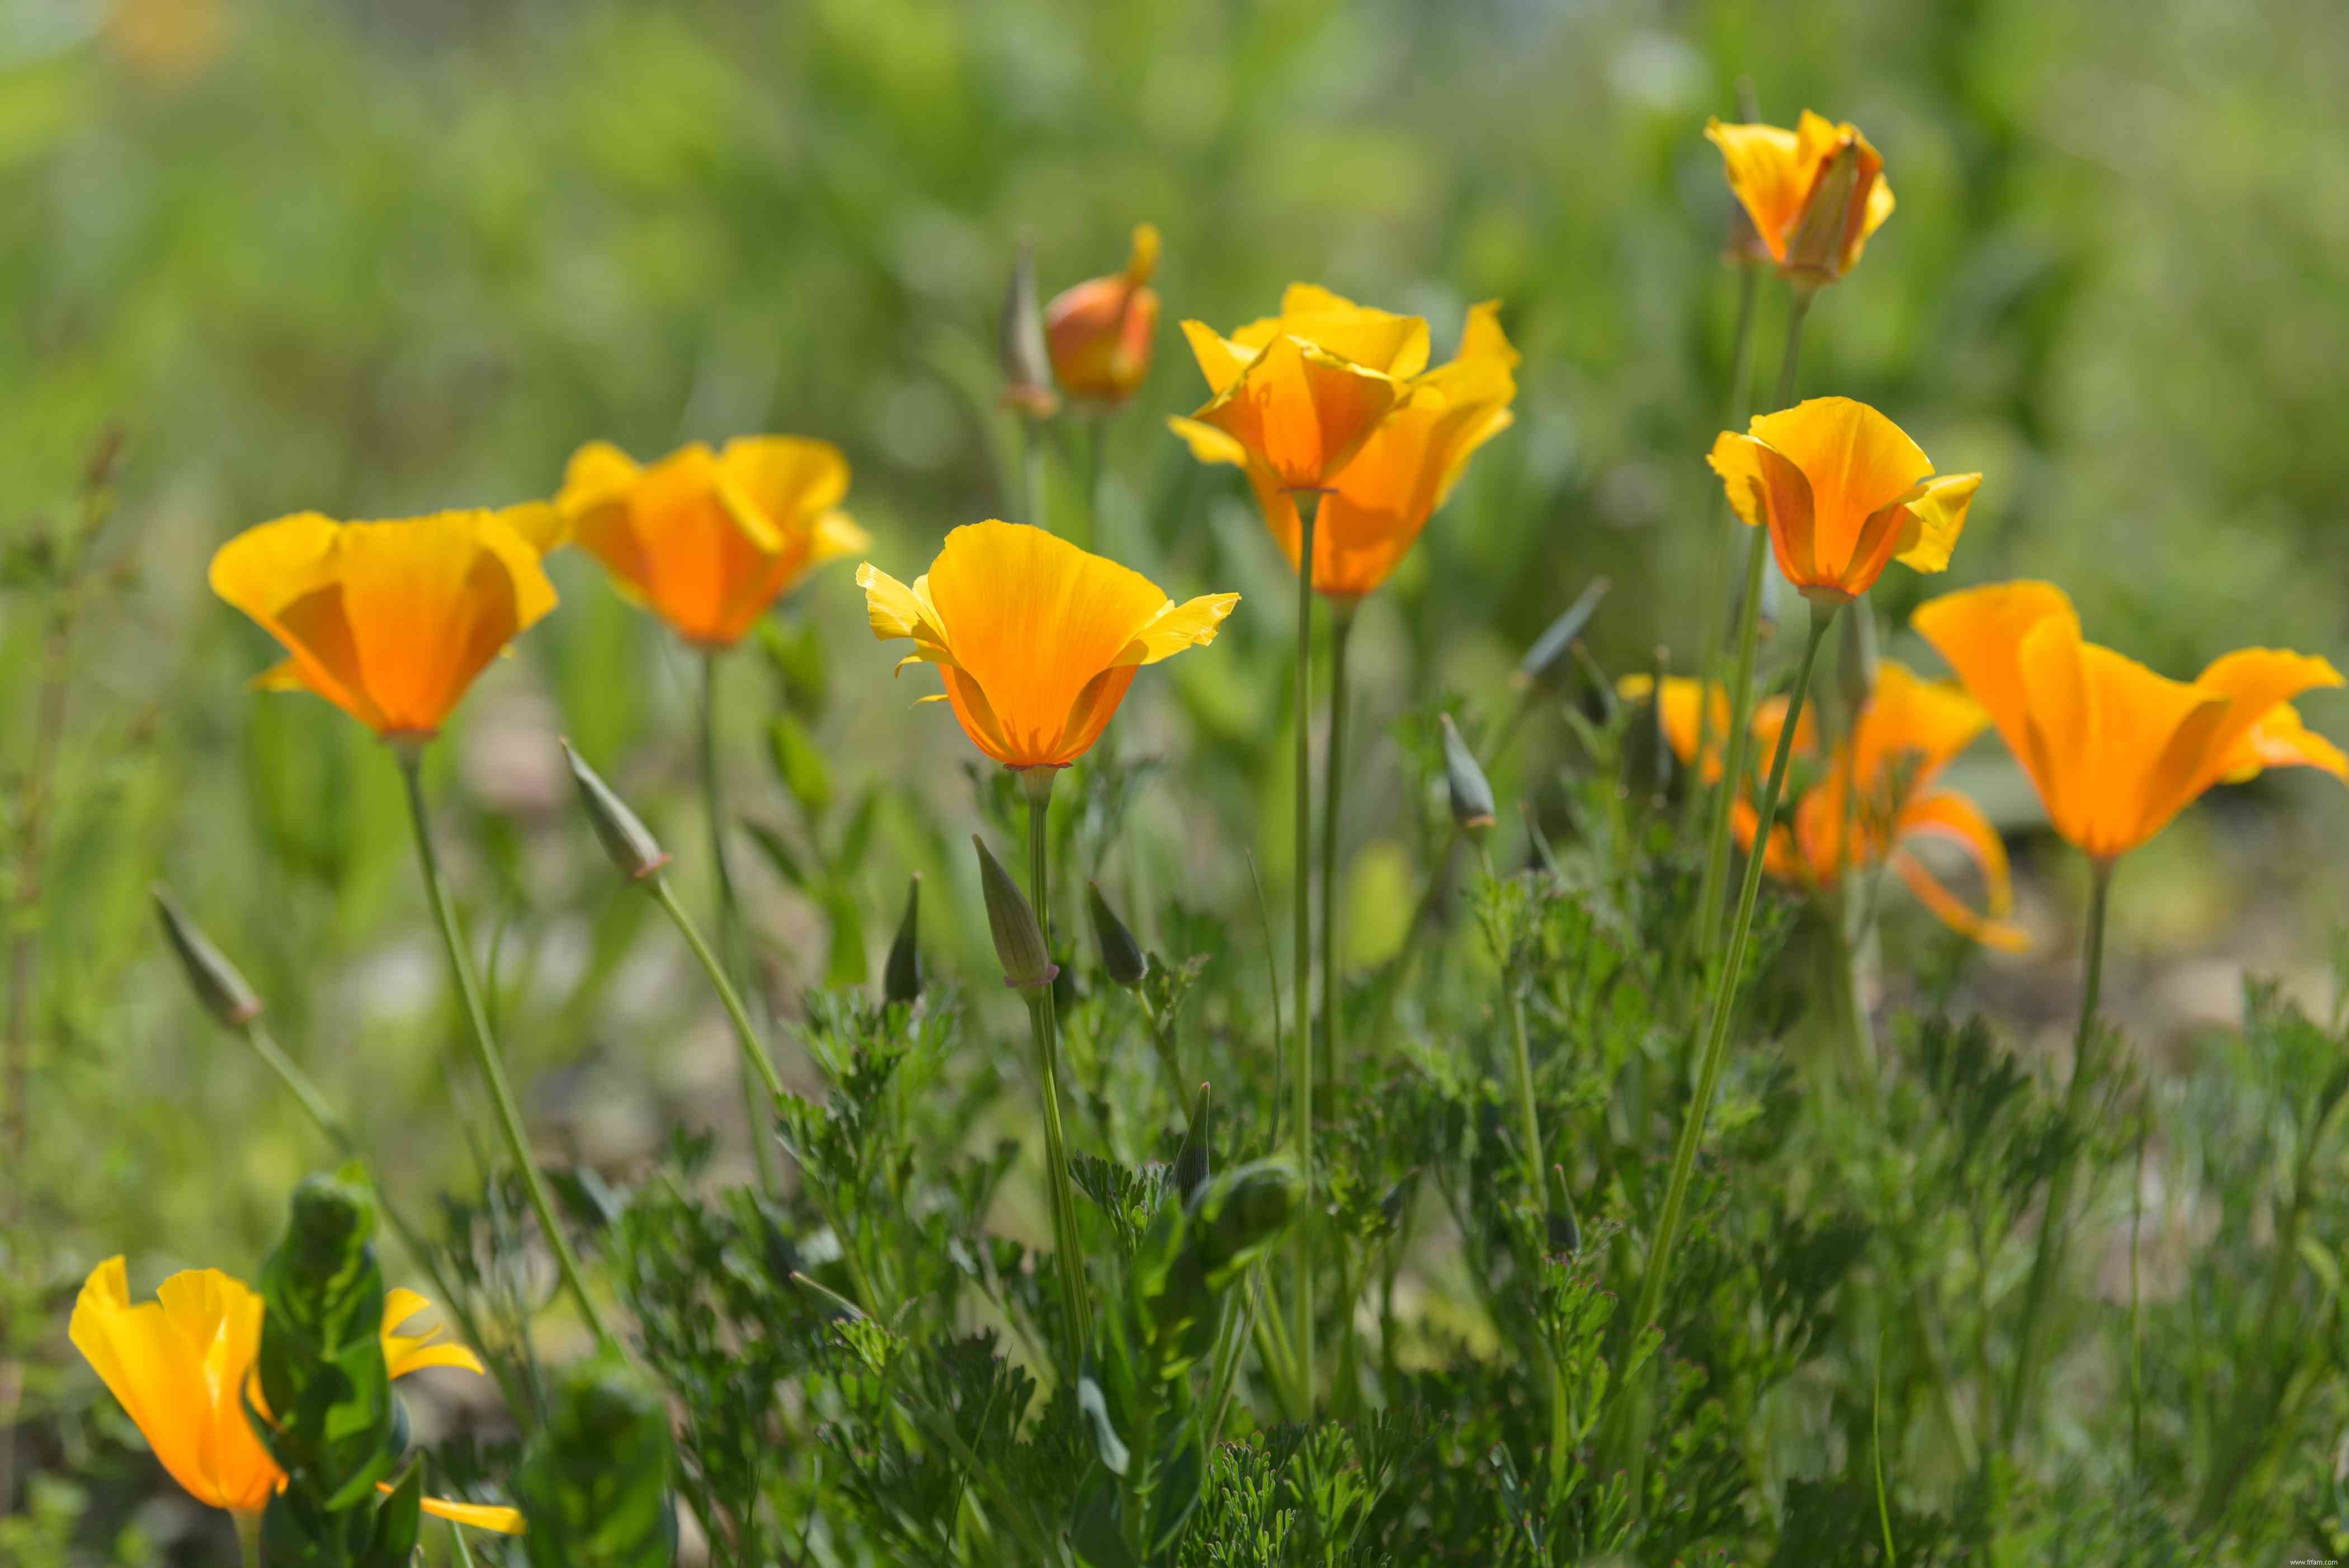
[1376, 507]
[2115, 750]
[1037, 639]
[1870, 800]
[707, 541]
[1814, 194]
[1843, 492]
[1298, 394]
[181, 1366]
[1100, 330]
[391, 622]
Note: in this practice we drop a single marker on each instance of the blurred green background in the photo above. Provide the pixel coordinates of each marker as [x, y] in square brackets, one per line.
[375, 259]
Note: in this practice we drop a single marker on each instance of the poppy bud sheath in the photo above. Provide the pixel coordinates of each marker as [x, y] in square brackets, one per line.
[1788, 185]
[1037, 639]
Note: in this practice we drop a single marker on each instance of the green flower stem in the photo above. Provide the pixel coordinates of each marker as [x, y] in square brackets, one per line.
[248, 1539]
[732, 945]
[1043, 1020]
[1718, 547]
[1741, 684]
[2059, 1183]
[485, 1046]
[1333, 766]
[1725, 990]
[1097, 436]
[1031, 442]
[1308, 508]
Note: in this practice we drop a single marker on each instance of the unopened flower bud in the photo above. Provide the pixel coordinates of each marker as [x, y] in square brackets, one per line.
[1819, 251]
[1027, 369]
[1019, 940]
[625, 838]
[1559, 635]
[1472, 796]
[901, 978]
[1122, 957]
[218, 984]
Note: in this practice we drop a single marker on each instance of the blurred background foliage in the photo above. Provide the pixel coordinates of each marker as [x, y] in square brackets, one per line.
[376, 259]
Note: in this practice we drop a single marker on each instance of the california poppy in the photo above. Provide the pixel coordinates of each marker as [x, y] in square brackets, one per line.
[1297, 394]
[1037, 640]
[391, 622]
[1843, 491]
[1679, 717]
[707, 541]
[2115, 750]
[1375, 508]
[1100, 330]
[1813, 193]
[181, 1366]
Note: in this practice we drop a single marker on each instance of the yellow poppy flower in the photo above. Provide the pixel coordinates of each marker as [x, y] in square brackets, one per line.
[1843, 492]
[1376, 506]
[709, 541]
[2115, 750]
[1100, 330]
[180, 1365]
[391, 622]
[1037, 639]
[1906, 733]
[1781, 178]
[1298, 394]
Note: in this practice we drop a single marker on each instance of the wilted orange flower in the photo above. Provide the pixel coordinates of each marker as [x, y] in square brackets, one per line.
[1904, 736]
[2115, 750]
[180, 1364]
[1297, 394]
[708, 540]
[1843, 491]
[1813, 193]
[391, 622]
[1376, 507]
[1100, 330]
[1037, 639]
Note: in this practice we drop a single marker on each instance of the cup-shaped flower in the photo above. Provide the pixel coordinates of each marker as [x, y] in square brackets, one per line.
[2115, 750]
[1297, 394]
[1037, 639]
[181, 1366]
[707, 541]
[1844, 492]
[1100, 330]
[1873, 798]
[1375, 509]
[391, 622]
[1814, 194]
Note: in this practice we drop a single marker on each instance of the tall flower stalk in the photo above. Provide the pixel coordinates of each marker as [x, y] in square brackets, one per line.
[733, 946]
[1300, 1057]
[1333, 773]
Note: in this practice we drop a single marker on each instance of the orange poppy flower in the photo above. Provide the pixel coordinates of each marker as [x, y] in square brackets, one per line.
[2115, 750]
[1906, 733]
[1100, 330]
[1037, 640]
[708, 540]
[1376, 507]
[1811, 216]
[1843, 491]
[180, 1365]
[1298, 394]
[391, 622]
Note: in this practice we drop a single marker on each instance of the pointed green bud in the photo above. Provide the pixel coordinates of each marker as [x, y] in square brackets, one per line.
[1191, 1161]
[1122, 957]
[625, 838]
[1551, 646]
[1472, 797]
[218, 985]
[1027, 367]
[1019, 940]
[829, 1301]
[901, 978]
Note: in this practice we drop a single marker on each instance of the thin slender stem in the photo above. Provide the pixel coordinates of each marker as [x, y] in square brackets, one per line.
[732, 947]
[1718, 546]
[248, 1538]
[485, 1046]
[1097, 434]
[746, 1034]
[1333, 772]
[2067, 1163]
[1308, 509]
[1031, 437]
[1724, 991]
[1044, 1022]
[1741, 685]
